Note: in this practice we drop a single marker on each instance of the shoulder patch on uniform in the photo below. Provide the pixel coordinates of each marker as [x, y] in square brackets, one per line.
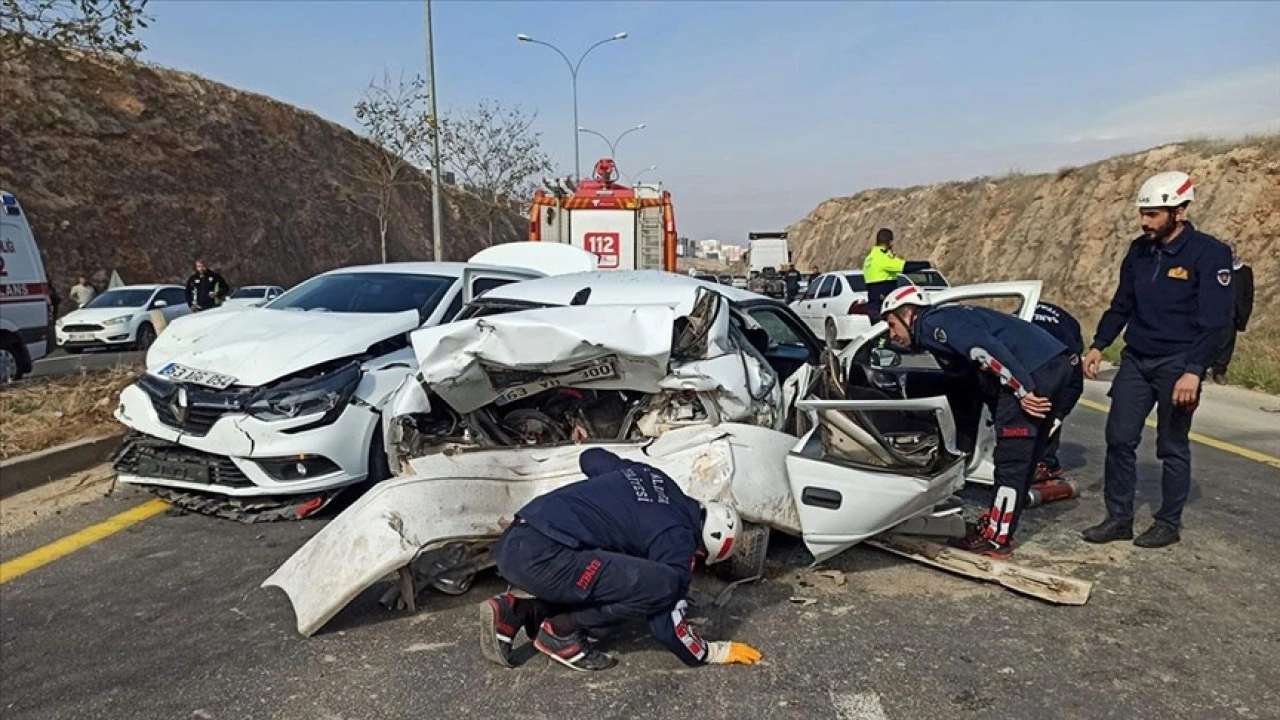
[1178, 273]
[940, 335]
[1224, 277]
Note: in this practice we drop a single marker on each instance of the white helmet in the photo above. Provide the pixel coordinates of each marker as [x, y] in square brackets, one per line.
[719, 530]
[903, 296]
[1168, 189]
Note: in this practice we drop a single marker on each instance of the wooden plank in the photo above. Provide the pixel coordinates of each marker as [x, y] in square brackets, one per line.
[1053, 588]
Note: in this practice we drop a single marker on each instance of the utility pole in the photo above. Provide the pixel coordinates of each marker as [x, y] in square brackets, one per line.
[437, 221]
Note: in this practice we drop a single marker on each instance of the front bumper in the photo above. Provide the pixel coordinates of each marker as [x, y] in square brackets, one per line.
[234, 446]
[107, 336]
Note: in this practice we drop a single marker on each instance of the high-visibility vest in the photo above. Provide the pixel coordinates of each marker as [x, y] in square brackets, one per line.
[881, 265]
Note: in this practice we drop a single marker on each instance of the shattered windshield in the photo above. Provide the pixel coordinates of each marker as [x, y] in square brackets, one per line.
[366, 292]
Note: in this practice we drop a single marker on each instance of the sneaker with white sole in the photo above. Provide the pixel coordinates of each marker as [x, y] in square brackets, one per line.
[575, 651]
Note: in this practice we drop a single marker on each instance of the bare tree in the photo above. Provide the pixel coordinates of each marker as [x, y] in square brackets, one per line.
[102, 25]
[396, 131]
[494, 153]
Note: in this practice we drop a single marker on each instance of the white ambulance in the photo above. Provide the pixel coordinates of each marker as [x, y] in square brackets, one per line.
[26, 315]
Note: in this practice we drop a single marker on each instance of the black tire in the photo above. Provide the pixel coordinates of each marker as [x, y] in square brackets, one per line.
[10, 361]
[146, 335]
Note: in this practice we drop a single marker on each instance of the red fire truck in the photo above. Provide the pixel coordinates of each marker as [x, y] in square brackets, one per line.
[626, 228]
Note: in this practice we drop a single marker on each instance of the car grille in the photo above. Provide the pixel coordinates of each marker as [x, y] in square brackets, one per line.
[150, 457]
[203, 406]
[81, 328]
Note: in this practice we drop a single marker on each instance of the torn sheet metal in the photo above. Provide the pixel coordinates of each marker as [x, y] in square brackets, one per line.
[472, 363]
[474, 495]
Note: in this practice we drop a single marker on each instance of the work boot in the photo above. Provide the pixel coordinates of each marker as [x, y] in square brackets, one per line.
[1045, 474]
[1157, 536]
[1109, 530]
[574, 650]
[498, 627]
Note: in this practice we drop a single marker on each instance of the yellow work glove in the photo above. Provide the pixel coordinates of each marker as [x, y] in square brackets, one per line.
[732, 653]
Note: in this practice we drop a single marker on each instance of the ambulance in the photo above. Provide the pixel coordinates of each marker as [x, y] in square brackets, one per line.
[626, 228]
[26, 315]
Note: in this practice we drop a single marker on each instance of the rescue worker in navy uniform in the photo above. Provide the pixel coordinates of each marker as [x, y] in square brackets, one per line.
[1065, 329]
[616, 547]
[1028, 373]
[1175, 299]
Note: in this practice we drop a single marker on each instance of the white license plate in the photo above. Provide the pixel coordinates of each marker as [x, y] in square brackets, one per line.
[602, 369]
[181, 373]
[81, 337]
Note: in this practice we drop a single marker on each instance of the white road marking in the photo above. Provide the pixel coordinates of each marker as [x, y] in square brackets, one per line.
[858, 706]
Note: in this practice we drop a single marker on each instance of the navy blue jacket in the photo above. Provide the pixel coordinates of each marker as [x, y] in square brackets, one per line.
[634, 509]
[1061, 325]
[1174, 299]
[953, 332]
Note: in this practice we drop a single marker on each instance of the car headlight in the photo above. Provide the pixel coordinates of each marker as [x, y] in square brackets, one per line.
[58, 323]
[117, 320]
[307, 397]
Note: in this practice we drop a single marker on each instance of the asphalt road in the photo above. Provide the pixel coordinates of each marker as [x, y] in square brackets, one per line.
[166, 620]
[61, 363]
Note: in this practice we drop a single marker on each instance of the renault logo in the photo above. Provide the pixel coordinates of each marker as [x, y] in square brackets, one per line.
[179, 406]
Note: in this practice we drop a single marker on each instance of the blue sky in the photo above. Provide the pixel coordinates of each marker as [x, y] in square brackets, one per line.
[756, 112]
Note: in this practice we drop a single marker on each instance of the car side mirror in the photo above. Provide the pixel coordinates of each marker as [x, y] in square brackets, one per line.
[159, 304]
[885, 358]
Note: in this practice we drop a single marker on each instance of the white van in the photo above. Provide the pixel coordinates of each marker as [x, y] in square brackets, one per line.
[25, 311]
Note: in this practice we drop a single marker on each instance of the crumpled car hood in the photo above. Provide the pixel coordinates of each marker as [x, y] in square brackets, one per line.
[257, 345]
[471, 363]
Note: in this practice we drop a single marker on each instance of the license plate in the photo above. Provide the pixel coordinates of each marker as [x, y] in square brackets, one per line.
[81, 337]
[602, 369]
[181, 373]
[173, 470]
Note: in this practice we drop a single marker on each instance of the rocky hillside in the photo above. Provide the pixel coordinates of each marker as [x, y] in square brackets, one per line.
[130, 167]
[1069, 228]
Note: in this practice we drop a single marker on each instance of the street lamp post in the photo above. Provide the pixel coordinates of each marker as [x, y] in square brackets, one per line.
[437, 221]
[613, 146]
[573, 69]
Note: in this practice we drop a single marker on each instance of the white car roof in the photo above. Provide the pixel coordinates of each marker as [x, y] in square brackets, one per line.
[143, 287]
[448, 269]
[617, 287]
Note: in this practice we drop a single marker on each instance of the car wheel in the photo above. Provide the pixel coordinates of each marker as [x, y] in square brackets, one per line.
[146, 335]
[10, 366]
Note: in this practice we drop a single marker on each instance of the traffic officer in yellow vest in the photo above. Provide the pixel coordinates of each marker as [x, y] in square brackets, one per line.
[880, 271]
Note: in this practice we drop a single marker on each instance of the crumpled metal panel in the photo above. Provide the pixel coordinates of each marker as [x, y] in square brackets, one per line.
[474, 495]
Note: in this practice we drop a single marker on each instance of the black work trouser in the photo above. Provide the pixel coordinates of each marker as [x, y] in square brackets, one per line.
[1140, 384]
[600, 590]
[1020, 445]
[1075, 388]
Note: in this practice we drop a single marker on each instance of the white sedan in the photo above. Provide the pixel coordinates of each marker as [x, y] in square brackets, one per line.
[835, 303]
[723, 389]
[253, 296]
[267, 413]
[121, 318]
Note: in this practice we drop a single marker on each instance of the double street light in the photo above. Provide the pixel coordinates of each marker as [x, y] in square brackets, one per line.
[573, 70]
[613, 146]
[633, 179]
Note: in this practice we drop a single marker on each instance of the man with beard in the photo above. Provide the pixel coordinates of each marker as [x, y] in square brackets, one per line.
[1175, 299]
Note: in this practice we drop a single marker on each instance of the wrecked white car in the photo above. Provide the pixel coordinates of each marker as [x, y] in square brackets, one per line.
[725, 390]
[268, 412]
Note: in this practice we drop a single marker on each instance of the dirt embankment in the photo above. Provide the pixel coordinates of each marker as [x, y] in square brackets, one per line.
[1069, 228]
[127, 166]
